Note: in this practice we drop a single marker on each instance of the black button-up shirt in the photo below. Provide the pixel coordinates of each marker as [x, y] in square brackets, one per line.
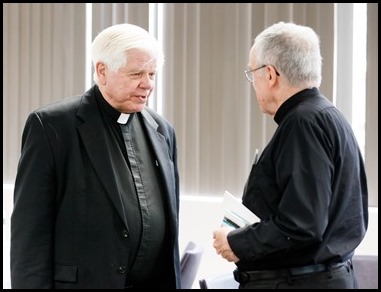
[308, 188]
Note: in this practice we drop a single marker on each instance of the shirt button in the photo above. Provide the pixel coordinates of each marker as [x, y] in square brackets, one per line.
[122, 269]
[125, 233]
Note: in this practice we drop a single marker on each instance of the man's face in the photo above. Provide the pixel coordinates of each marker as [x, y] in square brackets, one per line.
[128, 89]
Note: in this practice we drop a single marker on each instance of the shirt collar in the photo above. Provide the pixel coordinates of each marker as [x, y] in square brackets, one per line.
[110, 112]
[294, 100]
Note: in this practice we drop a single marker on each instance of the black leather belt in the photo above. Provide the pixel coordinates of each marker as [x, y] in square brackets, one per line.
[243, 277]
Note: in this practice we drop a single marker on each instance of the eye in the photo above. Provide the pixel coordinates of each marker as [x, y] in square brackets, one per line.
[140, 75]
[136, 75]
[152, 75]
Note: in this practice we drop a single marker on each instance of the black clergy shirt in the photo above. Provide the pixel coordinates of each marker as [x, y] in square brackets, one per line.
[308, 188]
[145, 205]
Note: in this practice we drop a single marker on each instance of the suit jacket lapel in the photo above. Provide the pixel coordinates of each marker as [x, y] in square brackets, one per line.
[160, 148]
[106, 157]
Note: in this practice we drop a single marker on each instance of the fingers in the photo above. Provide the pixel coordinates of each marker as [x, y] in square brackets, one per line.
[221, 245]
[229, 256]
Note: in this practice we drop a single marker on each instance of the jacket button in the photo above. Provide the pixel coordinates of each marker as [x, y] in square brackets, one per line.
[125, 233]
[122, 269]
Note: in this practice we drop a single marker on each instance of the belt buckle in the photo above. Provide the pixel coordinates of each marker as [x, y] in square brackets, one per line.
[236, 275]
[240, 277]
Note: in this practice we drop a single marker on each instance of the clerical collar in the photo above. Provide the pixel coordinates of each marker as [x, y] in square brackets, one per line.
[123, 118]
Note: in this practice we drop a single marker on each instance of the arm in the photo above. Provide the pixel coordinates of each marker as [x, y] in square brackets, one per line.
[33, 217]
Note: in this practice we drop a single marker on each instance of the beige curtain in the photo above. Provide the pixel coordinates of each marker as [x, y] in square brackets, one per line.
[106, 14]
[43, 60]
[204, 92]
[371, 123]
[206, 95]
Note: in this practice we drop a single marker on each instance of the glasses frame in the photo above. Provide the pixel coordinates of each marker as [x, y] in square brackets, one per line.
[249, 75]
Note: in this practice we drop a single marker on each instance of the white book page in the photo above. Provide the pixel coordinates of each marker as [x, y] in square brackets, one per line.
[235, 213]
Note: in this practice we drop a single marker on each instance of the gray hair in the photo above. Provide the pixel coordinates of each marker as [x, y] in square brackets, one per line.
[294, 50]
[111, 44]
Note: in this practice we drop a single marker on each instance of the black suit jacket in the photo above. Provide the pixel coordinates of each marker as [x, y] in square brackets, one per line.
[68, 226]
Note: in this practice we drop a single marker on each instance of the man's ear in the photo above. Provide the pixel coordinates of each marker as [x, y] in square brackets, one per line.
[101, 72]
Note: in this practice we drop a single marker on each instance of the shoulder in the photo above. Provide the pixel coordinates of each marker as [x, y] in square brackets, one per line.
[63, 105]
[68, 107]
[162, 123]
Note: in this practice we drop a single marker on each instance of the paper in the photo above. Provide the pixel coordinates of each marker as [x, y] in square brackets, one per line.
[236, 215]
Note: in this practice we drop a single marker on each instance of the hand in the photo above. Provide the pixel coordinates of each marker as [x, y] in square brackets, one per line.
[222, 246]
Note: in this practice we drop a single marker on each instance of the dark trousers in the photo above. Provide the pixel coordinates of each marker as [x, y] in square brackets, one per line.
[341, 278]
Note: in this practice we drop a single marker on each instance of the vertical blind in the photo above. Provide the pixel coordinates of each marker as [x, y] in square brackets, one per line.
[206, 96]
[371, 122]
[43, 61]
[204, 92]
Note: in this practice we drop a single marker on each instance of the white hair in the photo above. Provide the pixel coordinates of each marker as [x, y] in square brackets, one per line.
[294, 50]
[111, 44]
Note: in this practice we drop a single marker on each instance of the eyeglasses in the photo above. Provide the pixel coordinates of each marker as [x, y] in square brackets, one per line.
[249, 75]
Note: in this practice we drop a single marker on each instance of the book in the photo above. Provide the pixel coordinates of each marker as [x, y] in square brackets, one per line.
[236, 215]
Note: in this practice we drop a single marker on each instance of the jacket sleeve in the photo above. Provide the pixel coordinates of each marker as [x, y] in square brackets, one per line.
[32, 219]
